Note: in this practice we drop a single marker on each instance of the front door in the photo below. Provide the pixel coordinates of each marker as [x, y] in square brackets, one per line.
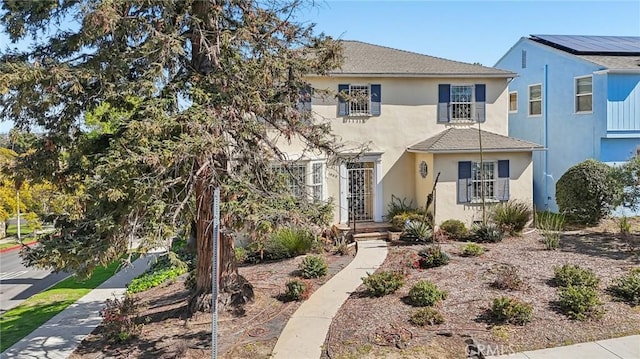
[360, 196]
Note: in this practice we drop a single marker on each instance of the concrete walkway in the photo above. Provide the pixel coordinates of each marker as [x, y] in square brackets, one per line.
[61, 335]
[305, 332]
[618, 348]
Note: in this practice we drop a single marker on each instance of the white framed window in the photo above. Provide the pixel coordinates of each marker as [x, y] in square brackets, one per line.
[305, 179]
[359, 103]
[483, 179]
[584, 94]
[535, 100]
[513, 101]
[462, 103]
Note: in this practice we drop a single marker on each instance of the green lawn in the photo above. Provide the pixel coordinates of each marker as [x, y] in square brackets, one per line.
[25, 229]
[35, 311]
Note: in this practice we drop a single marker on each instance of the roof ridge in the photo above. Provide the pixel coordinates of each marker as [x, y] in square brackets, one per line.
[425, 55]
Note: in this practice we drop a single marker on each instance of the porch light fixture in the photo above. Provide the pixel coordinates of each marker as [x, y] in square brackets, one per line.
[424, 169]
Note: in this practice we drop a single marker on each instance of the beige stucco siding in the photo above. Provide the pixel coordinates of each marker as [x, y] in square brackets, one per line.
[408, 115]
[447, 206]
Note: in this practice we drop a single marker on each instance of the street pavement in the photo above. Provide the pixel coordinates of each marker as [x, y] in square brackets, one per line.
[18, 282]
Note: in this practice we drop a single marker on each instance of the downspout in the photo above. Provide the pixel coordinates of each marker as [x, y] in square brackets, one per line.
[545, 100]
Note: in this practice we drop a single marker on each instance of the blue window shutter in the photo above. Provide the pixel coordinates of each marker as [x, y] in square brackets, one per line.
[502, 190]
[304, 103]
[444, 101]
[376, 99]
[503, 168]
[464, 181]
[343, 108]
[481, 99]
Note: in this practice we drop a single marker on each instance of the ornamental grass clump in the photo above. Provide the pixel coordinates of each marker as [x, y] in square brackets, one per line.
[511, 216]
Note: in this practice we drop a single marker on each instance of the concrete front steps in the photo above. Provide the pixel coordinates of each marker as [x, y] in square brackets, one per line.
[365, 231]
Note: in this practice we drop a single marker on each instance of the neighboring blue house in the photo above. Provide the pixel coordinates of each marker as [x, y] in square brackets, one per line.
[579, 96]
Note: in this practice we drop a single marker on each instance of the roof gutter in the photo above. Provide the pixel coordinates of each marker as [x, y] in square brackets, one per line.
[414, 75]
[475, 150]
[617, 71]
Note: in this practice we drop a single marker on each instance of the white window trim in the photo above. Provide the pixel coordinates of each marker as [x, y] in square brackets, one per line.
[516, 110]
[473, 103]
[529, 100]
[494, 198]
[309, 184]
[575, 95]
[360, 114]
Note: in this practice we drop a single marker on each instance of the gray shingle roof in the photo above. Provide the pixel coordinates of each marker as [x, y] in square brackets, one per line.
[614, 62]
[361, 58]
[455, 139]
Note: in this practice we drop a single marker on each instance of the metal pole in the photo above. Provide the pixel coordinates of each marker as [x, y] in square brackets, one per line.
[18, 212]
[214, 276]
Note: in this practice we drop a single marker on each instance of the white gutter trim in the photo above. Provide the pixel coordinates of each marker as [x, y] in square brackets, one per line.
[414, 75]
[477, 149]
[617, 71]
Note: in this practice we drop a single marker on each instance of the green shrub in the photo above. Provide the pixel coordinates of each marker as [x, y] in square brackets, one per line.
[425, 293]
[627, 287]
[472, 250]
[432, 256]
[586, 192]
[120, 319]
[511, 216]
[383, 283]
[241, 254]
[488, 233]
[167, 267]
[426, 316]
[399, 206]
[399, 221]
[296, 290]
[508, 278]
[573, 275]
[454, 228]
[510, 310]
[580, 302]
[417, 231]
[313, 267]
[625, 226]
[288, 243]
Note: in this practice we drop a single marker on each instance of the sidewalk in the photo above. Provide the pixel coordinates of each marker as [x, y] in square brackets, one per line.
[306, 330]
[618, 348]
[61, 335]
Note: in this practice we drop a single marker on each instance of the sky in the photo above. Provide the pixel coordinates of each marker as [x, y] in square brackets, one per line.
[468, 31]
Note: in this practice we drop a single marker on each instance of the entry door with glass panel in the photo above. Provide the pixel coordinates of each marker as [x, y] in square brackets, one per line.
[360, 195]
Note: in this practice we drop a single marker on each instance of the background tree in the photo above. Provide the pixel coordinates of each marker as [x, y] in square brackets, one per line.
[217, 84]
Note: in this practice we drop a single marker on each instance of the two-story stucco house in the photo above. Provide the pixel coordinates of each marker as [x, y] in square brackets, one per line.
[577, 95]
[419, 116]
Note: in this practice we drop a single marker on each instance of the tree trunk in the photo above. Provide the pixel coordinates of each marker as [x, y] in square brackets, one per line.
[234, 290]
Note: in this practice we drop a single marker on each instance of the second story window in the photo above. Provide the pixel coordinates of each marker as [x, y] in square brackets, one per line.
[463, 103]
[535, 100]
[359, 100]
[584, 94]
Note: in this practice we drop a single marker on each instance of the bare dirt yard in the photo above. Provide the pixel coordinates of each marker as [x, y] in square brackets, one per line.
[368, 327]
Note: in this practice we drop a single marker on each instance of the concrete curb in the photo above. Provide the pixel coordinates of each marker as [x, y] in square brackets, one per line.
[306, 330]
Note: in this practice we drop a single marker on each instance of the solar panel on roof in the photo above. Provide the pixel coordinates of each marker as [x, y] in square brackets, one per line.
[592, 44]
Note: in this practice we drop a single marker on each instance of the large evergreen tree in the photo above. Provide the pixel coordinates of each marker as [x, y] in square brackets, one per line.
[193, 95]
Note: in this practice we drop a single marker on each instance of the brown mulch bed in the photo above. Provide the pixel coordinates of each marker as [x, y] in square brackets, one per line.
[368, 327]
[168, 334]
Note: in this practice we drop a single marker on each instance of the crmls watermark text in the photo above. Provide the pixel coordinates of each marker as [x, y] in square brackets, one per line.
[481, 350]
